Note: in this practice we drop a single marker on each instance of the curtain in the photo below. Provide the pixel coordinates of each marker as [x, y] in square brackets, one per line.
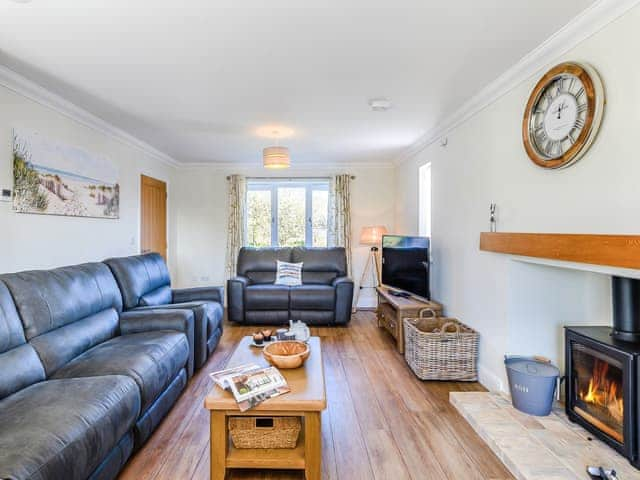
[237, 196]
[340, 215]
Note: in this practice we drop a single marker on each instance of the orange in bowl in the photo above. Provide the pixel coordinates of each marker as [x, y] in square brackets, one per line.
[287, 354]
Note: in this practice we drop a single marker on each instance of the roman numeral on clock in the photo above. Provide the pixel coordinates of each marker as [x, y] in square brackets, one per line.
[542, 136]
[579, 123]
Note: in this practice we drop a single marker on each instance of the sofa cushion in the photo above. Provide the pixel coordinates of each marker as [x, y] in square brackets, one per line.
[63, 429]
[60, 346]
[20, 365]
[152, 359]
[207, 318]
[65, 311]
[266, 297]
[321, 265]
[289, 274]
[267, 317]
[139, 275]
[159, 296]
[50, 299]
[312, 297]
[259, 264]
[314, 317]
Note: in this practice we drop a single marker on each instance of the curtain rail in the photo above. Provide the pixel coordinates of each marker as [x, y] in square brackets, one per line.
[291, 179]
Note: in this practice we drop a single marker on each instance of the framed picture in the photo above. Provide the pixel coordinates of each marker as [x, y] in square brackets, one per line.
[52, 178]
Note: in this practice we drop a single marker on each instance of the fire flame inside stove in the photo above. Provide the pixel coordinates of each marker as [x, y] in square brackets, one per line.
[604, 392]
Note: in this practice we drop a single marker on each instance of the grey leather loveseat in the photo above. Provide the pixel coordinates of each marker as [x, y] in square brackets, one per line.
[324, 298]
[145, 285]
[82, 384]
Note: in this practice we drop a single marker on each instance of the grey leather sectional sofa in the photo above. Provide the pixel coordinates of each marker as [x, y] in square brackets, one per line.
[324, 298]
[145, 284]
[83, 383]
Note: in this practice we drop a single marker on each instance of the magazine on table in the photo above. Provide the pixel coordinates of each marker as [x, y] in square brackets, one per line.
[251, 384]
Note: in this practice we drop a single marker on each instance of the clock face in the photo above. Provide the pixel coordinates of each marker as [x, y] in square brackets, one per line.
[563, 115]
[559, 116]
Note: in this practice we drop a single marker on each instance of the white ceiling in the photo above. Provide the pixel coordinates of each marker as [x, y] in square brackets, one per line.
[197, 78]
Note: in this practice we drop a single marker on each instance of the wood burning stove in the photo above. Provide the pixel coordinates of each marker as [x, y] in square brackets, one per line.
[603, 373]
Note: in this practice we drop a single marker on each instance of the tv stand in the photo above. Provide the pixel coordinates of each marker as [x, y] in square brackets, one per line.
[393, 309]
[399, 293]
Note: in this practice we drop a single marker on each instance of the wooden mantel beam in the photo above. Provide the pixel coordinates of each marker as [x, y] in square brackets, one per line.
[622, 251]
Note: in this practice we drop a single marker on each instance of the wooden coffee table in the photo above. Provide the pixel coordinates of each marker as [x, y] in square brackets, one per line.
[307, 399]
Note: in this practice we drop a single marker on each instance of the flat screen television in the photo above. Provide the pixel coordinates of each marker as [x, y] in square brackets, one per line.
[405, 264]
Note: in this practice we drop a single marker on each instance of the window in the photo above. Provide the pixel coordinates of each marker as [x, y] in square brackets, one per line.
[287, 213]
[424, 208]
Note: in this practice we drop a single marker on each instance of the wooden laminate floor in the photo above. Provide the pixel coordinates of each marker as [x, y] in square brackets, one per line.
[381, 422]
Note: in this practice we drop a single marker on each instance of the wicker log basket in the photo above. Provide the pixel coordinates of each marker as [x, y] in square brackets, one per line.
[440, 348]
[264, 432]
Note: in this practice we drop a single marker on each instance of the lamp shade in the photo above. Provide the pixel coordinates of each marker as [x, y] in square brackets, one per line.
[276, 157]
[372, 235]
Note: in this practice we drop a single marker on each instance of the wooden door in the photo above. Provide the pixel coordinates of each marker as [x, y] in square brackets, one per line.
[153, 216]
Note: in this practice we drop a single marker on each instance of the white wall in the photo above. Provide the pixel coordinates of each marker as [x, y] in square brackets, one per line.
[44, 241]
[517, 307]
[201, 211]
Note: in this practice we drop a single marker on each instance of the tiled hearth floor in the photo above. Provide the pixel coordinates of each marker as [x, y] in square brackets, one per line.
[537, 448]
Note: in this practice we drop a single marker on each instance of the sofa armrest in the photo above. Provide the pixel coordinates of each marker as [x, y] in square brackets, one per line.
[148, 320]
[341, 281]
[235, 298]
[344, 299]
[208, 294]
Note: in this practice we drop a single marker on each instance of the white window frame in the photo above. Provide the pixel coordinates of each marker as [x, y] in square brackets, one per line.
[272, 185]
[424, 201]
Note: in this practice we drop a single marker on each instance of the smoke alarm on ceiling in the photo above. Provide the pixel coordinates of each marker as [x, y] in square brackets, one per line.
[380, 104]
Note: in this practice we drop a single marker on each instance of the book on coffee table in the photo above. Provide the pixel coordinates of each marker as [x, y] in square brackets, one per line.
[251, 384]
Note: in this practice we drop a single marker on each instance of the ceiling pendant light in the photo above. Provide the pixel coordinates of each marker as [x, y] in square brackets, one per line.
[276, 157]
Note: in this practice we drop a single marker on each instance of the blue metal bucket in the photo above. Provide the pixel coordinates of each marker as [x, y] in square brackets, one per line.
[532, 383]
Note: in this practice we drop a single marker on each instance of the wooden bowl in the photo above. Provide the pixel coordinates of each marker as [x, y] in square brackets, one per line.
[287, 354]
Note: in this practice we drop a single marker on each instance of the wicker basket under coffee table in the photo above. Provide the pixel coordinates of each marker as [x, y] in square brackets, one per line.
[306, 400]
[440, 348]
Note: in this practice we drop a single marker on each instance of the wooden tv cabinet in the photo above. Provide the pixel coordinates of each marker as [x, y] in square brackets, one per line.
[393, 310]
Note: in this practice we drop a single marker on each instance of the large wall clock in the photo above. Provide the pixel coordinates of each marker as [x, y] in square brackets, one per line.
[563, 115]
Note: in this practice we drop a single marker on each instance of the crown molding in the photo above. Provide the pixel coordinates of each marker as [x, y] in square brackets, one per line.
[295, 167]
[37, 93]
[584, 25]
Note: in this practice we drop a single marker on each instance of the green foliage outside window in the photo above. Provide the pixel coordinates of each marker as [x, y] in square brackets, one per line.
[259, 218]
[291, 221]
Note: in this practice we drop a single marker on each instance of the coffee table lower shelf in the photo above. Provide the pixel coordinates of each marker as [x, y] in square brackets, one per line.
[306, 456]
[275, 458]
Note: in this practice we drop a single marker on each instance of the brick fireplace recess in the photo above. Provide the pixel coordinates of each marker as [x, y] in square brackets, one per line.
[603, 373]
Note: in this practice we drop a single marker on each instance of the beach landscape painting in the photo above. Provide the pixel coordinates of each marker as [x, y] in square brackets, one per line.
[53, 178]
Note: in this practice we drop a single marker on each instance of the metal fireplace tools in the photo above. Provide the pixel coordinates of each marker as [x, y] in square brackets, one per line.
[599, 472]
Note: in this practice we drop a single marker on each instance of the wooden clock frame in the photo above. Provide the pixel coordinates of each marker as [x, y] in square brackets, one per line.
[595, 108]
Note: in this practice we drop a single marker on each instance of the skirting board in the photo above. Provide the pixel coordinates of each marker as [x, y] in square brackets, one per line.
[490, 380]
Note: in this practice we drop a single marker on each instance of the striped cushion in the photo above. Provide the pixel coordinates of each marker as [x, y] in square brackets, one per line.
[289, 274]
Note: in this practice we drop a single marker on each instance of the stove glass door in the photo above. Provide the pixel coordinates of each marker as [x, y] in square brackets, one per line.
[598, 390]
